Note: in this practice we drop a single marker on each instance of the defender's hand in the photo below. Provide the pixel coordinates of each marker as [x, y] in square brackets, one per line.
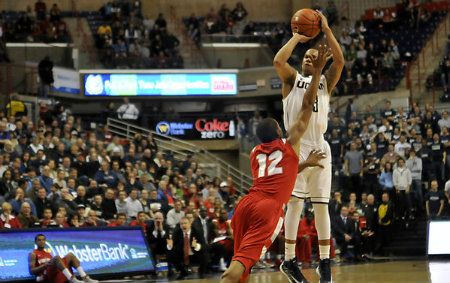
[314, 158]
[321, 60]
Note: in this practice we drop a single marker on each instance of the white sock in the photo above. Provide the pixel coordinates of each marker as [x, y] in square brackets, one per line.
[81, 271]
[67, 273]
[323, 227]
[324, 251]
[292, 218]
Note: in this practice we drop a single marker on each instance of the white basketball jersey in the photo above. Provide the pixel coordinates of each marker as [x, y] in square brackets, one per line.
[319, 119]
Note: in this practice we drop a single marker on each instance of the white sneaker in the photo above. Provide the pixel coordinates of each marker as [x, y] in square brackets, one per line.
[75, 280]
[88, 279]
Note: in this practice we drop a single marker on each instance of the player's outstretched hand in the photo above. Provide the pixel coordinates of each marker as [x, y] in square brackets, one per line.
[323, 21]
[301, 38]
[321, 60]
[314, 158]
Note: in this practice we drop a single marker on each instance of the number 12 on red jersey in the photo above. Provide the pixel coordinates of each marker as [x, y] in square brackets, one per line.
[274, 158]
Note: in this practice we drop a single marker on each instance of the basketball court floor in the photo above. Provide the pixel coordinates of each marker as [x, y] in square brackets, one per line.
[417, 271]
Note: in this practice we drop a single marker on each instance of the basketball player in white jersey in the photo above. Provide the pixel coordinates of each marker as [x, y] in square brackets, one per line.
[314, 183]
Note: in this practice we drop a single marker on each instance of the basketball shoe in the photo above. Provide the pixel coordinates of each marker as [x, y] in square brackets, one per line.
[292, 272]
[324, 271]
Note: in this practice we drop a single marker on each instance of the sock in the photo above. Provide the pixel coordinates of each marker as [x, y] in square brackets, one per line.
[67, 273]
[324, 251]
[293, 213]
[323, 227]
[81, 271]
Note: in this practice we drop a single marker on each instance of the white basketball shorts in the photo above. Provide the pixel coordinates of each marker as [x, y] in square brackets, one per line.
[314, 182]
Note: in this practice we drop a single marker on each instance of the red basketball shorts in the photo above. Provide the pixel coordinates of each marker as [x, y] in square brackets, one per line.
[255, 223]
[54, 275]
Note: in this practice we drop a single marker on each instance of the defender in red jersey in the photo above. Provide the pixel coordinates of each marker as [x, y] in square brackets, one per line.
[51, 269]
[258, 216]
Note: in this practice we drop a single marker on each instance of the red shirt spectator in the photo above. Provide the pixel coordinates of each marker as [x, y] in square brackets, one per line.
[7, 220]
[120, 220]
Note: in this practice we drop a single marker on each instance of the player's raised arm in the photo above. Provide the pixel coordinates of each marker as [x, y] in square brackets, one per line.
[298, 129]
[285, 71]
[334, 72]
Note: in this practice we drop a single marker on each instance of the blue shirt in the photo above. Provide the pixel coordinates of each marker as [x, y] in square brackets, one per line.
[386, 181]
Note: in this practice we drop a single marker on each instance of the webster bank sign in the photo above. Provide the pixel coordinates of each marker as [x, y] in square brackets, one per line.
[101, 251]
[197, 129]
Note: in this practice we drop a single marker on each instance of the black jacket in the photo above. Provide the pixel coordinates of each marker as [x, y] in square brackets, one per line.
[157, 244]
[178, 243]
[340, 228]
[197, 224]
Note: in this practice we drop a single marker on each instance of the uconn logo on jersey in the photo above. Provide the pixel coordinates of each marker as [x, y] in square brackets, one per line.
[305, 85]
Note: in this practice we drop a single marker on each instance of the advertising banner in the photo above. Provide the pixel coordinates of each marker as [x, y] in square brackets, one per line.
[100, 251]
[197, 129]
[163, 84]
[67, 81]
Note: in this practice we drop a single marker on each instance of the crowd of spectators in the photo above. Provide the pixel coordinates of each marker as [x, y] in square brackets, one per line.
[397, 155]
[43, 24]
[127, 39]
[58, 173]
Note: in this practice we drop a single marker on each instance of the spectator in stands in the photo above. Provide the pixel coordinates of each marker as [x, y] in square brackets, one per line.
[402, 183]
[158, 235]
[434, 201]
[25, 217]
[121, 220]
[444, 122]
[108, 206]
[41, 9]
[45, 70]
[386, 179]
[344, 231]
[306, 233]
[385, 221]
[161, 21]
[239, 12]
[121, 203]
[16, 108]
[353, 165]
[133, 205]
[402, 147]
[438, 158]
[7, 220]
[128, 111]
[414, 164]
[55, 14]
[187, 246]
[174, 215]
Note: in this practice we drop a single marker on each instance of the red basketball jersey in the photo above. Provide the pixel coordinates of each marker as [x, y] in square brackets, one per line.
[274, 169]
[41, 257]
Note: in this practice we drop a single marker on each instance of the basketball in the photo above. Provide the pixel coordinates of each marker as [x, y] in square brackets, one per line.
[306, 22]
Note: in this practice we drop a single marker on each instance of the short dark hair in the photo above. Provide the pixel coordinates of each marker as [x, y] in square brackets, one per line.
[38, 235]
[267, 130]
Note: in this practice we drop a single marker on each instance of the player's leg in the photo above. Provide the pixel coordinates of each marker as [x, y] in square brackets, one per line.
[254, 231]
[233, 273]
[289, 266]
[63, 273]
[320, 189]
[73, 261]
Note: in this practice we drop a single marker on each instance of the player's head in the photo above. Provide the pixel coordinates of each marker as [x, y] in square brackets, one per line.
[307, 66]
[268, 130]
[39, 240]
